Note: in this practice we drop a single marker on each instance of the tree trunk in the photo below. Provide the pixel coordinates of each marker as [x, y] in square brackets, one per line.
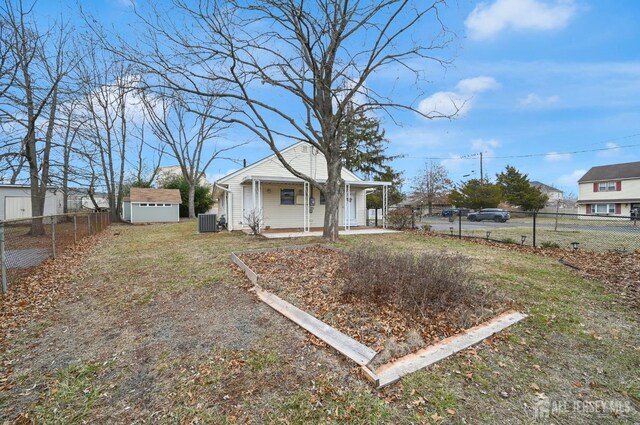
[192, 199]
[333, 191]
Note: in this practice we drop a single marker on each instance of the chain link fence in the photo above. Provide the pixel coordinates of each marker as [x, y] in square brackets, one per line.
[25, 244]
[545, 229]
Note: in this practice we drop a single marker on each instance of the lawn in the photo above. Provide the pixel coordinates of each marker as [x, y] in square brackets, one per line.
[158, 327]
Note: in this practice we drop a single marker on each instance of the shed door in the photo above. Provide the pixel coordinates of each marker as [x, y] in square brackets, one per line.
[16, 207]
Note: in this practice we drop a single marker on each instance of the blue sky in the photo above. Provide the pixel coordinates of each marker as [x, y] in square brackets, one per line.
[542, 80]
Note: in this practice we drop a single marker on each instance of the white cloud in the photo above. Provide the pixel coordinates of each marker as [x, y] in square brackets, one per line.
[487, 147]
[613, 149]
[534, 100]
[486, 21]
[571, 180]
[555, 156]
[456, 103]
[477, 84]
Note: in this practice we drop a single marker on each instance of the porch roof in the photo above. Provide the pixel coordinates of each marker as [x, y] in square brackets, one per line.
[297, 180]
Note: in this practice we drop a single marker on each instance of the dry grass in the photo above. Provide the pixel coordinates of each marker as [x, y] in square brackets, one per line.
[157, 329]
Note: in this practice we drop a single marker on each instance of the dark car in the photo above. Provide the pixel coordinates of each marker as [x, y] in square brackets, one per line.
[454, 212]
[495, 214]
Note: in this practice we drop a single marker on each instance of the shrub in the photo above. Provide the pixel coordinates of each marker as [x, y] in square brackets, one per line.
[400, 218]
[508, 240]
[547, 244]
[427, 283]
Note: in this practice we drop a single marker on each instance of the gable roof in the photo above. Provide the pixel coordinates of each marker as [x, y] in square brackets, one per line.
[544, 187]
[145, 194]
[627, 170]
[270, 157]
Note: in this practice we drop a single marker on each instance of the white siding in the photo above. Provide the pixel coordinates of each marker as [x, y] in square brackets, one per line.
[630, 190]
[52, 203]
[304, 159]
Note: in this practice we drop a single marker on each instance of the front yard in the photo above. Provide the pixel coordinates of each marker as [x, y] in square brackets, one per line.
[158, 326]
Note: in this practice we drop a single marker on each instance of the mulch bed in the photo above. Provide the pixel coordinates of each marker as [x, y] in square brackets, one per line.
[618, 271]
[311, 279]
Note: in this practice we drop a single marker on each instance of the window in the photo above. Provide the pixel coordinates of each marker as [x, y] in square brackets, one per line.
[607, 187]
[287, 197]
[322, 200]
[603, 208]
[144, 205]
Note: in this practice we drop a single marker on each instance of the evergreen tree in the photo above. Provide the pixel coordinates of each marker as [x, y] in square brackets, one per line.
[476, 195]
[203, 199]
[517, 190]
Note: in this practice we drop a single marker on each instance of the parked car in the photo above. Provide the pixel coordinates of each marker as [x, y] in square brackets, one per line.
[454, 212]
[495, 214]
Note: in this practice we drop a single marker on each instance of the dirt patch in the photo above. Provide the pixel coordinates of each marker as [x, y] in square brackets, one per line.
[313, 279]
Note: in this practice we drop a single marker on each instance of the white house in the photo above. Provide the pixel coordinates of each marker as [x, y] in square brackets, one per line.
[15, 202]
[555, 195]
[284, 201]
[610, 190]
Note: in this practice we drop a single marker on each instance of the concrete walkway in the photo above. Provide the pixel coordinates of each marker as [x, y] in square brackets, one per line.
[290, 234]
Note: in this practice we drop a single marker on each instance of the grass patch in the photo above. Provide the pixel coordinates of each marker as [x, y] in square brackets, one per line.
[71, 395]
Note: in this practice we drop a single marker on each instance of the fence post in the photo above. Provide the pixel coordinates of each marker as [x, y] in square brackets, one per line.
[3, 260]
[53, 236]
[459, 224]
[75, 228]
[89, 222]
[535, 214]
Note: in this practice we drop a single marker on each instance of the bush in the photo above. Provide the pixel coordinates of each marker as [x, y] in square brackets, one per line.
[400, 218]
[549, 245]
[427, 283]
[508, 240]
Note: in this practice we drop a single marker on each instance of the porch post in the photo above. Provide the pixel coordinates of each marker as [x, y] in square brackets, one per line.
[385, 206]
[305, 209]
[347, 206]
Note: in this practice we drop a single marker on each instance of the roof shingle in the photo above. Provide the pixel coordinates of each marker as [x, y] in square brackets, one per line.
[144, 194]
[627, 170]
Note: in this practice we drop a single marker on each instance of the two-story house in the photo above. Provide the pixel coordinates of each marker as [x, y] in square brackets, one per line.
[610, 190]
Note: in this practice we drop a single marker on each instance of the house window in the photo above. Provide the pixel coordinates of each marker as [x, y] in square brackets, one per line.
[603, 208]
[144, 205]
[607, 186]
[287, 197]
[322, 200]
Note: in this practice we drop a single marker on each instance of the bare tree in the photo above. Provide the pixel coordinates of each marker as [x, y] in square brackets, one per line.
[109, 89]
[189, 129]
[432, 182]
[318, 55]
[30, 103]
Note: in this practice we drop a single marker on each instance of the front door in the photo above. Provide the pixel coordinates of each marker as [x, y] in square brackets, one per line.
[352, 213]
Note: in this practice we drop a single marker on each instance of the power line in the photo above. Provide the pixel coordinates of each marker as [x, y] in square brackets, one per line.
[475, 155]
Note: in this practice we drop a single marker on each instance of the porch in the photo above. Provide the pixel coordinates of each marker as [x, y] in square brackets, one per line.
[292, 203]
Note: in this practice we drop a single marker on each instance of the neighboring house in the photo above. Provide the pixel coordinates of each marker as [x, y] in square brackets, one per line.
[146, 205]
[169, 172]
[78, 200]
[555, 195]
[610, 190]
[282, 200]
[420, 203]
[15, 202]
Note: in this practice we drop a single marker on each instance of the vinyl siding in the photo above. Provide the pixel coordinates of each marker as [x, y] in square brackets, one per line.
[630, 190]
[154, 214]
[276, 216]
[52, 203]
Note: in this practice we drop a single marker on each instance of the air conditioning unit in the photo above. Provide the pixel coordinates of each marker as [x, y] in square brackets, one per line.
[207, 223]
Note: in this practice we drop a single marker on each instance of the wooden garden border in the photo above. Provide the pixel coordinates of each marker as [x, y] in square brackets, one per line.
[361, 354]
